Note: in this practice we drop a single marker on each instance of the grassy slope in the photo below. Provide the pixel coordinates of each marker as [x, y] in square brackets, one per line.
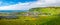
[41, 20]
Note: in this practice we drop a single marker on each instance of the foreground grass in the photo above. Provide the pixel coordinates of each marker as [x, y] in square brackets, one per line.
[48, 20]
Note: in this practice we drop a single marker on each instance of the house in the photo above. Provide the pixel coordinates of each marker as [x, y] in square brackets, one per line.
[37, 14]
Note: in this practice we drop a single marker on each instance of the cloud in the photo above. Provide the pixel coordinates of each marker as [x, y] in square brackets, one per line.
[28, 5]
[50, 1]
[19, 6]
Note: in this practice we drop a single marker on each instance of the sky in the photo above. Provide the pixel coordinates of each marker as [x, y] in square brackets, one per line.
[26, 4]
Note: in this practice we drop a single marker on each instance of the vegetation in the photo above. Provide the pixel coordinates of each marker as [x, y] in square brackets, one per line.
[45, 16]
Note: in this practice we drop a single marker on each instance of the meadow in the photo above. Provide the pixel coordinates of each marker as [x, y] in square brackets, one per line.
[36, 16]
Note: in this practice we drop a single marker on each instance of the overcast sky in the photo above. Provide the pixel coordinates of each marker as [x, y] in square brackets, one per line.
[26, 4]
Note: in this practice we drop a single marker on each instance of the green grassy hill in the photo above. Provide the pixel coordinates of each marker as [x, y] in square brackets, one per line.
[52, 19]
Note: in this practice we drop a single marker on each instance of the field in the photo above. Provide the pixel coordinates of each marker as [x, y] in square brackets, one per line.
[36, 16]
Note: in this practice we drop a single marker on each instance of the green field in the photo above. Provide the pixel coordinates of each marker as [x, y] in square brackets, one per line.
[45, 16]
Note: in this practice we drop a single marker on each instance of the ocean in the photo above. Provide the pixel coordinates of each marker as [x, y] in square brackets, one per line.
[13, 10]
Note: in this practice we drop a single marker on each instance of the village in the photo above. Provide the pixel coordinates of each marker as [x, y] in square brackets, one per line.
[15, 15]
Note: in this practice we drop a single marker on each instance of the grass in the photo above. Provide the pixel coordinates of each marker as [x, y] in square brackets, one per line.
[32, 21]
[40, 20]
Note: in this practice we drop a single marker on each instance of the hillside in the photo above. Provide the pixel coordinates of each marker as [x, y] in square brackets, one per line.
[52, 10]
[36, 16]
